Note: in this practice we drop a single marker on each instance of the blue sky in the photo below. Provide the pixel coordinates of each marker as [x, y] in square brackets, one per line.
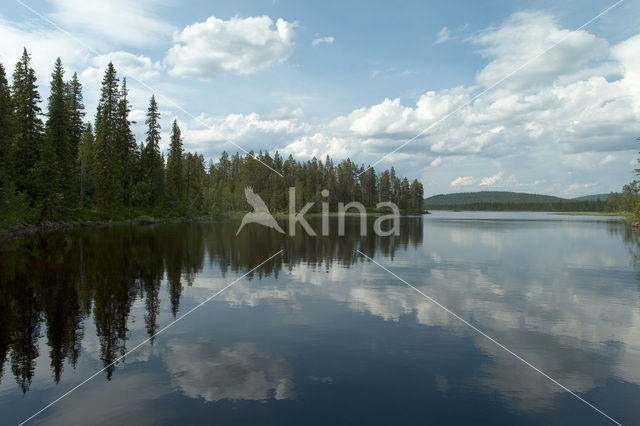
[357, 79]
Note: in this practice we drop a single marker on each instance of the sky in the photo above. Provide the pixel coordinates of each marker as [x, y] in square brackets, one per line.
[496, 95]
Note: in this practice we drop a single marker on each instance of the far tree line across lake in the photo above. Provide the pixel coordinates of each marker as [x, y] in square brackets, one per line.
[56, 166]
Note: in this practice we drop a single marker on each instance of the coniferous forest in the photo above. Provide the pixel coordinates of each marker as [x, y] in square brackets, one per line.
[56, 165]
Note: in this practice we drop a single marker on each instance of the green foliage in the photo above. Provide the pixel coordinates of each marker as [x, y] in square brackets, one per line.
[15, 208]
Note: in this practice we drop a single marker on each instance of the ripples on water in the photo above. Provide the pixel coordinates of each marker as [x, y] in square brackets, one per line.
[320, 334]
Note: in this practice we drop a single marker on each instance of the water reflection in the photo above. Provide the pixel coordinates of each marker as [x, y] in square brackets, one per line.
[320, 325]
[204, 370]
[53, 282]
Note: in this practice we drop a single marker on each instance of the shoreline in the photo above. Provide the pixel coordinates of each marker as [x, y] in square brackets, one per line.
[25, 230]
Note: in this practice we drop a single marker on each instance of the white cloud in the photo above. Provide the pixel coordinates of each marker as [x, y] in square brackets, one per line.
[242, 372]
[240, 46]
[607, 159]
[491, 180]
[131, 23]
[321, 40]
[566, 122]
[577, 187]
[43, 45]
[210, 135]
[319, 146]
[436, 162]
[463, 181]
[140, 67]
[525, 35]
[443, 35]
[627, 55]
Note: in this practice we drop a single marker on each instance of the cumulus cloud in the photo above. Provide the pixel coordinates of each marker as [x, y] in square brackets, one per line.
[526, 35]
[491, 180]
[138, 66]
[239, 45]
[443, 35]
[436, 162]
[555, 110]
[321, 40]
[318, 145]
[463, 181]
[210, 135]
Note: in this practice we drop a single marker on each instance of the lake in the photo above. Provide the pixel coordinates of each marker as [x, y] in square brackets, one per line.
[321, 334]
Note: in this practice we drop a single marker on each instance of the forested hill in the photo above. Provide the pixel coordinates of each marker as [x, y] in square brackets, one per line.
[502, 200]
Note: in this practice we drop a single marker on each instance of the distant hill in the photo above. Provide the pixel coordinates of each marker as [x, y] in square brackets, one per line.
[503, 200]
[462, 198]
[593, 197]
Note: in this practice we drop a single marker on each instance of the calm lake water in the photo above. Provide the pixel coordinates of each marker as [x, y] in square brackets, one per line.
[321, 335]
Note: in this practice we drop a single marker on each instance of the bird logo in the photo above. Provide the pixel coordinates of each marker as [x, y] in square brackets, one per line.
[260, 214]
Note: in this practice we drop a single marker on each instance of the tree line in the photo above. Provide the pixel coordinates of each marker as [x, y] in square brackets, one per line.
[55, 165]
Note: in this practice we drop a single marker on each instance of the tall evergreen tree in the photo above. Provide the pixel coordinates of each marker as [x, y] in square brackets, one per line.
[28, 129]
[54, 169]
[417, 195]
[152, 161]
[6, 135]
[108, 165]
[127, 145]
[75, 107]
[85, 162]
[174, 177]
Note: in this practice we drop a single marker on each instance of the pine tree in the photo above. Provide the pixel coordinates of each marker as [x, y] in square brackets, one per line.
[28, 129]
[6, 135]
[152, 161]
[108, 165]
[127, 145]
[84, 165]
[54, 169]
[174, 177]
[75, 107]
[417, 195]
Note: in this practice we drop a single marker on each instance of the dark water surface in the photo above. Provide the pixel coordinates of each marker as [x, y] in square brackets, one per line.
[321, 335]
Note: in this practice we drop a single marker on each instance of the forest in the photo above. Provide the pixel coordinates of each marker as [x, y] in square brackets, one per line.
[55, 166]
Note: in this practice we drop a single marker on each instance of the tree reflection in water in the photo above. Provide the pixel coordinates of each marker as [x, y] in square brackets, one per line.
[52, 283]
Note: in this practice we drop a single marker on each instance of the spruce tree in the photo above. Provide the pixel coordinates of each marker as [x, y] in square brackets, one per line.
[174, 178]
[127, 146]
[84, 165]
[28, 129]
[152, 161]
[54, 169]
[108, 165]
[6, 135]
[75, 108]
